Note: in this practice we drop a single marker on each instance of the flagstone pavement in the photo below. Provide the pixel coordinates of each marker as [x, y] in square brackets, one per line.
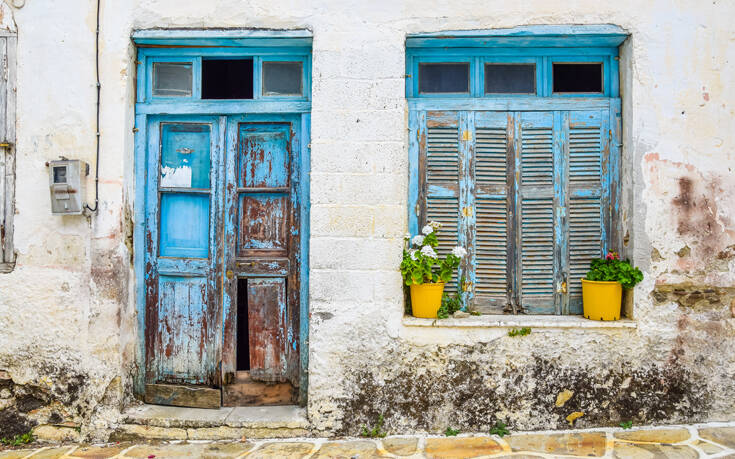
[714, 440]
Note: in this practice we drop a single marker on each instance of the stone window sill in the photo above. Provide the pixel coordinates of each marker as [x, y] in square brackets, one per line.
[510, 321]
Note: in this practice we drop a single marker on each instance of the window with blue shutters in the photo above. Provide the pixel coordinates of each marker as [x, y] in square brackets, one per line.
[521, 170]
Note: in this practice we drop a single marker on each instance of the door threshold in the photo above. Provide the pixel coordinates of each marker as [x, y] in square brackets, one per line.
[246, 391]
[260, 417]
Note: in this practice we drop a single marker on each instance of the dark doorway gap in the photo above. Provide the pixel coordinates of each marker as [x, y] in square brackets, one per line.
[243, 338]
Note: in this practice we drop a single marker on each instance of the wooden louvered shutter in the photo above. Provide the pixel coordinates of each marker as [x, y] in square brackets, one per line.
[490, 277]
[586, 143]
[440, 163]
[536, 238]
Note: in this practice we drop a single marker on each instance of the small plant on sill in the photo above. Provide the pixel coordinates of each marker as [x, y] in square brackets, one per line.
[516, 332]
[425, 273]
[376, 431]
[499, 429]
[450, 305]
[613, 269]
[451, 432]
[626, 424]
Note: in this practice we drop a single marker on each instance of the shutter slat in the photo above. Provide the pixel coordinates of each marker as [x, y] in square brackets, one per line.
[585, 155]
[537, 161]
[442, 155]
[490, 156]
[491, 246]
[537, 246]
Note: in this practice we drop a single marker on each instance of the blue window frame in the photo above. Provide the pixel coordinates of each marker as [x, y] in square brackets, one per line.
[526, 178]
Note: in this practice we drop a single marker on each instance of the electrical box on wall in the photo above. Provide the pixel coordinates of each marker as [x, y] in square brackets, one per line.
[67, 184]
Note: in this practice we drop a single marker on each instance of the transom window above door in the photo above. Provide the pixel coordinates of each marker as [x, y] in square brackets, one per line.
[270, 71]
[514, 148]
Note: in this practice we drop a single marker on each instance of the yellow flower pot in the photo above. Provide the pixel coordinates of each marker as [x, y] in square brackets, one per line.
[601, 300]
[426, 299]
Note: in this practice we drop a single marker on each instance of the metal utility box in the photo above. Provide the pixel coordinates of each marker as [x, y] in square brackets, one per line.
[68, 186]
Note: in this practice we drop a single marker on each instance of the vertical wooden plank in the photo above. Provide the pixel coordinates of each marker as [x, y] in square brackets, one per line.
[139, 246]
[414, 182]
[561, 228]
[267, 326]
[231, 205]
[217, 271]
[515, 235]
[466, 228]
[604, 178]
[141, 77]
[257, 77]
[613, 178]
[293, 281]
[151, 249]
[196, 81]
[304, 207]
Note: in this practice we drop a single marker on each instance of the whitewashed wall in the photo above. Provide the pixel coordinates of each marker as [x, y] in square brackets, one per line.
[67, 318]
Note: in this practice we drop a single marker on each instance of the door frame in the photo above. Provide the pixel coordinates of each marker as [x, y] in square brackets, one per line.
[142, 220]
[297, 111]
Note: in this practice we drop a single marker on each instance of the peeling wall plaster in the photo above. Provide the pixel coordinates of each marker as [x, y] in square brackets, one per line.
[67, 310]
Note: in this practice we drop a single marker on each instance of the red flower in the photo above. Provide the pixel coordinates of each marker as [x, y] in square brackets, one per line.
[612, 256]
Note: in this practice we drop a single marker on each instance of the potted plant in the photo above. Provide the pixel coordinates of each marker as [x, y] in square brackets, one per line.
[602, 288]
[425, 273]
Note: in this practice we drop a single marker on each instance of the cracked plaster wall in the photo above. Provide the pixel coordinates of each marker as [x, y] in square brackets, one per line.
[67, 310]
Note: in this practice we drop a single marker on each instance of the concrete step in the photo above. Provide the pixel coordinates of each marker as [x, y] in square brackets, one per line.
[156, 422]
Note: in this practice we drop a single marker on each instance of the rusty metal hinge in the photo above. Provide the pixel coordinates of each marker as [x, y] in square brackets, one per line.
[466, 286]
[467, 211]
[6, 144]
[466, 136]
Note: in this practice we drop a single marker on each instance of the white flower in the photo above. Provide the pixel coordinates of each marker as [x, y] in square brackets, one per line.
[407, 236]
[412, 253]
[435, 225]
[428, 229]
[459, 252]
[418, 240]
[427, 251]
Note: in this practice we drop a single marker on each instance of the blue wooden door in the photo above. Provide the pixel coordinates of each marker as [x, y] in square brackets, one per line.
[263, 261]
[182, 276]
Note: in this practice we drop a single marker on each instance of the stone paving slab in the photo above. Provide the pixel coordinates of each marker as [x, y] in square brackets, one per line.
[706, 441]
[589, 444]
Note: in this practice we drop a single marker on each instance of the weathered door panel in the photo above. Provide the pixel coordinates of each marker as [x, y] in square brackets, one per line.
[183, 311]
[263, 258]
[266, 300]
